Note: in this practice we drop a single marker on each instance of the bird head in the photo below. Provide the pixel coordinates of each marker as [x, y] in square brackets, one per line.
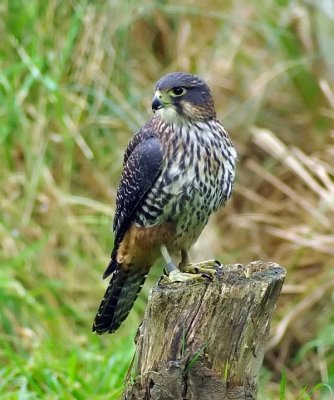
[180, 97]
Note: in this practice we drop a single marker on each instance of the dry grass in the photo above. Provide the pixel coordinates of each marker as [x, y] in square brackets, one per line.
[76, 80]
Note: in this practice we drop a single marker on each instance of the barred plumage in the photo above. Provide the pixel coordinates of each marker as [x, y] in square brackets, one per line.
[178, 169]
[193, 182]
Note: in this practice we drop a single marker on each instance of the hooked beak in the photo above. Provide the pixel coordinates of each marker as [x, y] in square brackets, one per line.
[160, 100]
[156, 104]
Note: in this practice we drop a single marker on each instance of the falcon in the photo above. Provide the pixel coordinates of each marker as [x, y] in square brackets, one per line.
[178, 169]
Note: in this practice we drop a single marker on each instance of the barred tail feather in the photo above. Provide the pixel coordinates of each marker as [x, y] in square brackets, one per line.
[118, 300]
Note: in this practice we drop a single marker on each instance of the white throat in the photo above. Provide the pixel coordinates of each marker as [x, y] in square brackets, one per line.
[170, 116]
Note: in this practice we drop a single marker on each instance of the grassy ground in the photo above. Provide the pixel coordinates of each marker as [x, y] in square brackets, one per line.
[76, 79]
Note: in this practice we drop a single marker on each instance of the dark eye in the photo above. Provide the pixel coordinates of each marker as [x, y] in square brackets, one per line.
[178, 91]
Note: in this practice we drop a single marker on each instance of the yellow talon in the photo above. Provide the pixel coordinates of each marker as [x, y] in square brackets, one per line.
[210, 267]
[177, 276]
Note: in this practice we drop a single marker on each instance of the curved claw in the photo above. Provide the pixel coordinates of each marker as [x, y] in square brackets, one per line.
[207, 276]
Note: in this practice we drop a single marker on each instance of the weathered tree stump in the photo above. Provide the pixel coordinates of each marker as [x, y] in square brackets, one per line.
[206, 341]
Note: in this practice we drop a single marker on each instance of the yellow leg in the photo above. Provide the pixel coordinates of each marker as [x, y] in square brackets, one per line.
[200, 271]
[209, 267]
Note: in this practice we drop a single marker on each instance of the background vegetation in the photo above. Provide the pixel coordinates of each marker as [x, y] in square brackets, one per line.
[76, 80]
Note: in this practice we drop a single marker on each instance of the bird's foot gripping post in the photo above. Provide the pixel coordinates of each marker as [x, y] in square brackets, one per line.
[199, 271]
[210, 268]
[206, 340]
[188, 271]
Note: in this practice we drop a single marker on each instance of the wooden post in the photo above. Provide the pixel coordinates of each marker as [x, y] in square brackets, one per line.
[206, 341]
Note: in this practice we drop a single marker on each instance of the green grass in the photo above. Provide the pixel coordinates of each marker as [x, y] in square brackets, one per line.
[76, 79]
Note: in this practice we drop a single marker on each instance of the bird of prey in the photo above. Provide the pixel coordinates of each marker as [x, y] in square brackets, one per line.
[178, 169]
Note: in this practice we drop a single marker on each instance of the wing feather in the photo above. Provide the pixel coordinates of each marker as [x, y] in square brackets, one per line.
[139, 174]
[141, 168]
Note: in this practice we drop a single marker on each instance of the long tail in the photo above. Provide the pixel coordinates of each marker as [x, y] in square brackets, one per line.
[122, 291]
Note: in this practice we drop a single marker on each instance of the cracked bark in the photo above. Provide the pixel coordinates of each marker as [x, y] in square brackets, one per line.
[204, 340]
